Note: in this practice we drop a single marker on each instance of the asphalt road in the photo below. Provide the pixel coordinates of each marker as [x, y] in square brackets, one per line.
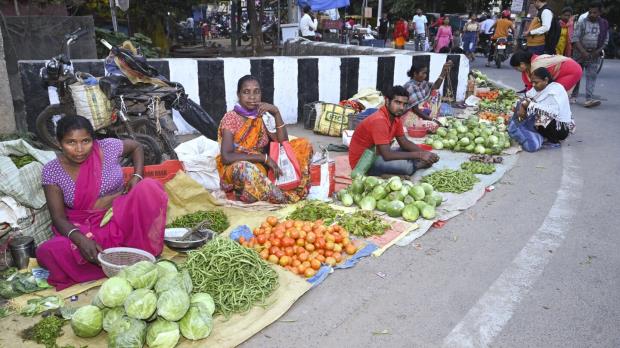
[534, 263]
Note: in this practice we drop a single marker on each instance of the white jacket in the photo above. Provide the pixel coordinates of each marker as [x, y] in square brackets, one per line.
[307, 26]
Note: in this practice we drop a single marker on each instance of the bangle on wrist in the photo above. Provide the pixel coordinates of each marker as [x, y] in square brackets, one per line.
[266, 158]
[71, 231]
[138, 176]
[280, 126]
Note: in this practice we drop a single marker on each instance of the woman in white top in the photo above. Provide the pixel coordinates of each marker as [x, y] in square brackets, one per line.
[548, 102]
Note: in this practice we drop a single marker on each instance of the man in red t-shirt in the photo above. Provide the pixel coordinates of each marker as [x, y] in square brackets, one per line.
[379, 130]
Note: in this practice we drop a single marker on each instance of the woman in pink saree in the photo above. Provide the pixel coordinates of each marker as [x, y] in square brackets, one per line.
[444, 35]
[80, 186]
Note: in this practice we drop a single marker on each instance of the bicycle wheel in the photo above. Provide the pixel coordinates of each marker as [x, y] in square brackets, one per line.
[167, 140]
[46, 125]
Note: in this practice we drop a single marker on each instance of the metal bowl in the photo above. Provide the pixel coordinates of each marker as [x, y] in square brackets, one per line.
[193, 241]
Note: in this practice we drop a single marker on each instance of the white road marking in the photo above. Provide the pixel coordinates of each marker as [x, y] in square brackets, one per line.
[486, 319]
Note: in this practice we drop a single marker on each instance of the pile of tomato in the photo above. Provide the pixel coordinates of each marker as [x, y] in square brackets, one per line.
[300, 246]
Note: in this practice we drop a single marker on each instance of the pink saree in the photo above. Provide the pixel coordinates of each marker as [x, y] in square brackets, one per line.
[138, 222]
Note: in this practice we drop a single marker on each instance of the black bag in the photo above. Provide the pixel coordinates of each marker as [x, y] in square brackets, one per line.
[198, 118]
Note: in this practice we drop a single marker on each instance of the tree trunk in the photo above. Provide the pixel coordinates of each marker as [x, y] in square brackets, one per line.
[255, 27]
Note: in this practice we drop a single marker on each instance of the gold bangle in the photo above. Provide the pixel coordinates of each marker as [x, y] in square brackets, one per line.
[266, 157]
[281, 126]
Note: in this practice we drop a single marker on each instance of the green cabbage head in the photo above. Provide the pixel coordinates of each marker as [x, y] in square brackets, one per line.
[173, 304]
[162, 334]
[205, 299]
[110, 317]
[87, 321]
[127, 333]
[142, 275]
[141, 304]
[197, 323]
[114, 291]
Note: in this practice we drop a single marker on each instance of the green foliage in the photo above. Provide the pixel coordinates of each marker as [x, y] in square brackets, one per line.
[116, 39]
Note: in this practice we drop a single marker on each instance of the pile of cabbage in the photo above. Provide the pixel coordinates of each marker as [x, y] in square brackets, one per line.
[147, 303]
[472, 136]
[397, 198]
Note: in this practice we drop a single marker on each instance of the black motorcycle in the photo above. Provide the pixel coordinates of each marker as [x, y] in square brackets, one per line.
[502, 50]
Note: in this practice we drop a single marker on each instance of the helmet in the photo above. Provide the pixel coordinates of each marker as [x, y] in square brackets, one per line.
[506, 14]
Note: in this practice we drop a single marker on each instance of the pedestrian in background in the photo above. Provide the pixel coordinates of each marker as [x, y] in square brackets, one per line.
[420, 29]
[590, 37]
[470, 36]
[444, 35]
[485, 33]
[544, 32]
[567, 25]
[401, 33]
[384, 27]
[308, 24]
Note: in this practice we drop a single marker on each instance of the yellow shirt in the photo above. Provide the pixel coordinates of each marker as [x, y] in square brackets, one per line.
[561, 46]
[536, 40]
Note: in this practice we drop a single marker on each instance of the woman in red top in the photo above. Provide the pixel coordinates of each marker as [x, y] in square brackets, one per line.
[401, 33]
[564, 70]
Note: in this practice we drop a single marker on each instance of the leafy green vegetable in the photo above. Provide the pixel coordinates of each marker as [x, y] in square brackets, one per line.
[127, 332]
[111, 315]
[39, 305]
[142, 274]
[215, 220]
[45, 332]
[314, 210]
[162, 334]
[197, 322]
[141, 304]
[114, 291]
[363, 223]
[173, 304]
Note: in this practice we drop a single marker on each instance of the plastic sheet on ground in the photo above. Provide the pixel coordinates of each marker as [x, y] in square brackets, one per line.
[454, 204]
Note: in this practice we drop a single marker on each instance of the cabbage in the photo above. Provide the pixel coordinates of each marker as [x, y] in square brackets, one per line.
[173, 304]
[166, 266]
[127, 333]
[114, 291]
[174, 280]
[205, 299]
[368, 203]
[97, 302]
[197, 323]
[110, 317]
[141, 304]
[162, 334]
[142, 274]
[87, 321]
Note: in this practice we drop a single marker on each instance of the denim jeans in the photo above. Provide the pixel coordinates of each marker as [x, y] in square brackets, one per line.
[395, 167]
[590, 71]
[538, 50]
[419, 42]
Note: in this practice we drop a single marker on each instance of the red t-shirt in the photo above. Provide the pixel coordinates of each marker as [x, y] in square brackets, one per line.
[376, 129]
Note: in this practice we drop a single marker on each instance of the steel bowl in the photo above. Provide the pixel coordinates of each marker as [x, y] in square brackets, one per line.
[193, 241]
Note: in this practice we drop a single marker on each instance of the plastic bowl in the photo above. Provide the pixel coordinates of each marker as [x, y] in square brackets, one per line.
[416, 132]
[425, 147]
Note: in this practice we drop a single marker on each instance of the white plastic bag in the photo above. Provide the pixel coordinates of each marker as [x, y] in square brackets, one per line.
[427, 45]
[198, 157]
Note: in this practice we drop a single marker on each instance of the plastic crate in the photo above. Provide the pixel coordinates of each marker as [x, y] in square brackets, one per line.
[161, 172]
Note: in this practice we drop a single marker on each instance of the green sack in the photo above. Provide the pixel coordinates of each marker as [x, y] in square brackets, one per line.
[365, 162]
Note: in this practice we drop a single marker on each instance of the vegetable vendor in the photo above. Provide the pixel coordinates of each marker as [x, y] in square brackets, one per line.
[81, 185]
[379, 130]
[564, 70]
[421, 95]
[244, 134]
[546, 110]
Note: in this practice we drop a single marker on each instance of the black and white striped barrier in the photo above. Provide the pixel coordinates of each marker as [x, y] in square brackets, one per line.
[287, 82]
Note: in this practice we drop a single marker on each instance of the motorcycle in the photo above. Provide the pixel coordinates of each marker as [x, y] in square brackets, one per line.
[268, 30]
[156, 135]
[502, 51]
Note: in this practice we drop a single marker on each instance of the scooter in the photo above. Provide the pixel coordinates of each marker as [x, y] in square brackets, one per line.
[502, 51]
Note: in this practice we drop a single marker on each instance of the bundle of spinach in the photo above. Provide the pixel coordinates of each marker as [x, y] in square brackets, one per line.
[45, 332]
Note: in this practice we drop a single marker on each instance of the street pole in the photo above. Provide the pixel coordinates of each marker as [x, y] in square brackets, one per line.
[113, 13]
[379, 12]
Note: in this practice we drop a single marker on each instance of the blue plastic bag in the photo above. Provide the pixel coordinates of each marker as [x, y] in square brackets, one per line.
[524, 132]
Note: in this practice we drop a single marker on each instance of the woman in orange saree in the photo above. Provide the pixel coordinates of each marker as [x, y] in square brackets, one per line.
[244, 134]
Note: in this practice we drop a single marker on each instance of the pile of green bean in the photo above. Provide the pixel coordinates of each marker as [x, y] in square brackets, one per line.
[449, 180]
[214, 220]
[478, 167]
[236, 277]
[21, 161]
[314, 210]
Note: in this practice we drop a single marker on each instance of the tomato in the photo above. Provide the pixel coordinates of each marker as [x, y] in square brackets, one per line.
[294, 233]
[329, 253]
[261, 239]
[241, 240]
[338, 257]
[311, 237]
[273, 259]
[330, 261]
[310, 247]
[276, 242]
[320, 229]
[337, 237]
[301, 269]
[272, 220]
[280, 253]
[264, 254]
[296, 263]
[306, 264]
[306, 228]
[290, 241]
[318, 222]
[303, 257]
[298, 224]
[350, 249]
[257, 231]
[299, 250]
[274, 249]
[279, 234]
[302, 234]
[267, 244]
[315, 264]
[309, 272]
[300, 242]
[265, 225]
[337, 248]
[320, 252]
[288, 224]
[329, 245]
[346, 241]
[284, 260]
[320, 258]
[330, 237]
[294, 270]
[321, 242]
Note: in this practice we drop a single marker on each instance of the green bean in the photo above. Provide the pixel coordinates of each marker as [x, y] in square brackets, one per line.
[448, 180]
[215, 220]
[235, 276]
[478, 167]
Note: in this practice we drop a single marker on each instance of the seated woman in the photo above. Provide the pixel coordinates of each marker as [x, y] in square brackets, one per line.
[546, 110]
[244, 135]
[564, 70]
[81, 185]
[420, 92]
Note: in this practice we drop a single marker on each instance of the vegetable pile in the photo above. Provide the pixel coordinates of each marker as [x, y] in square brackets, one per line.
[471, 136]
[396, 197]
[498, 101]
[14, 283]
[146, 303]
[214, 220]
[45, 332]
[478, 167]
[314, 210]
[449, 180]
[236, 277]
[363, 223]
[22, 161]
[300, 246]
